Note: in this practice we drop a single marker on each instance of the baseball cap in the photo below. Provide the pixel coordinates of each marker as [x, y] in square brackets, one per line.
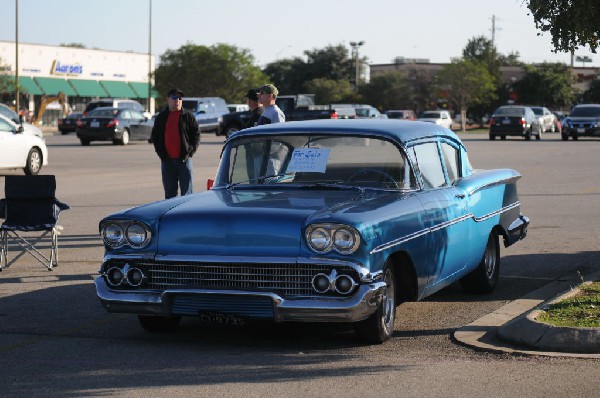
[252, 95]
[269, 89]
[175, 91]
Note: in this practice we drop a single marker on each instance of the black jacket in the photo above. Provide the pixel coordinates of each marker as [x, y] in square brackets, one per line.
[188, 131]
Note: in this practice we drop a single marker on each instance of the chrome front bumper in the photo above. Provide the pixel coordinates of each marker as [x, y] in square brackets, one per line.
[352, 309]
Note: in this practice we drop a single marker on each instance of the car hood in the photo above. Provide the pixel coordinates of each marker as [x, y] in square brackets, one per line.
[248, 222]
[33, 130]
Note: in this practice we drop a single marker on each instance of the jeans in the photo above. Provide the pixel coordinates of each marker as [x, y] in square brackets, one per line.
[177, 174]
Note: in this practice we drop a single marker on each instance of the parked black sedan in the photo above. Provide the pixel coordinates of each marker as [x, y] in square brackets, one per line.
[113, 124]
[515, 120]
[68, 124]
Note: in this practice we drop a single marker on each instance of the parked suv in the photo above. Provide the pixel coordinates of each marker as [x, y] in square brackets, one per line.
[584, 120]
[115, 103]
[208, 111]
[441, 118]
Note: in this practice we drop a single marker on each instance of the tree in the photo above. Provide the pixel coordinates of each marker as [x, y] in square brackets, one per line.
[329, 63]
[390, 90]
[549, 84]
[289, 75]
[571, 24]
[469, 83]
[592, 94]
[220, 70]
[330, 91]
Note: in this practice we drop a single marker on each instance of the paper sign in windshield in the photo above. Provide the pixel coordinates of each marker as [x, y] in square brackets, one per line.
[309, 160]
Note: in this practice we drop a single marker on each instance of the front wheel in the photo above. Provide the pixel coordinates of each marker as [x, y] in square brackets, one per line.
[159, 324]
[538, 136]
[379, 327]
[484, 278]
[34, 162]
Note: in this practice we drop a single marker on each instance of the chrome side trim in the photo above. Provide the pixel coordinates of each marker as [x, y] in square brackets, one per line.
[443, 225]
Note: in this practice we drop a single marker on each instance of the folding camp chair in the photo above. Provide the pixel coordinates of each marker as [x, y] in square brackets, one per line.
[30, 206]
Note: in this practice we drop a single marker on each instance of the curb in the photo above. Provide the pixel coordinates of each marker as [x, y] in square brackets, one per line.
[512, 318]
[546, 337]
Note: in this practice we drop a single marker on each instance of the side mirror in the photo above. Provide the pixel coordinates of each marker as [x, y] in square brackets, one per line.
[20, 129]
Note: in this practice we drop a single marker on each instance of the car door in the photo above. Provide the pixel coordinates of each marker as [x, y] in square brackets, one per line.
[13, 146]
[137, 129]
[446, 212]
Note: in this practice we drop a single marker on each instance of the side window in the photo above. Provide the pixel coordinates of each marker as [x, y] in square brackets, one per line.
[126, 114]
[450, 157]
[428, 159]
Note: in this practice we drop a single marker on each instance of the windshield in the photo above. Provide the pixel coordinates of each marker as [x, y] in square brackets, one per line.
[586, 111]
[314, 159]
[538, 111]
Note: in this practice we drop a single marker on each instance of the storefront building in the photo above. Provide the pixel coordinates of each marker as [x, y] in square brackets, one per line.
[80, 74]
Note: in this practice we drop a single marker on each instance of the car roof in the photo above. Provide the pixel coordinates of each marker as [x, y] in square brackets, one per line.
[402, 131]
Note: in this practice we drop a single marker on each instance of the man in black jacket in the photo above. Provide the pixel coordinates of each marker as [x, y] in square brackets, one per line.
[255, 107]
[176, 136]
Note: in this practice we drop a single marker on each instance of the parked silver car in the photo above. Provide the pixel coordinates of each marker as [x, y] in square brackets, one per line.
[547, 118]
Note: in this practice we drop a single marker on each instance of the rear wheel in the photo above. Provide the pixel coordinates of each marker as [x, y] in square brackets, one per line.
[538, 136]
[575, 137]
[159, 324]
[528, 135]
[34, 162]
[85, 142]
[379, 327]
[125, 138]
[484, 278]
[565, 137]
[492, 137]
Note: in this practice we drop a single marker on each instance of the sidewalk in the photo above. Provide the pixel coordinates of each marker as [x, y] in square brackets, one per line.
[513, 328]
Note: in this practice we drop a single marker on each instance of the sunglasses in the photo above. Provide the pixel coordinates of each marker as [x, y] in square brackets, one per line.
[175, 97]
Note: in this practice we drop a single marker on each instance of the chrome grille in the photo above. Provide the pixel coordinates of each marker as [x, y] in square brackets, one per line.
[284, 279]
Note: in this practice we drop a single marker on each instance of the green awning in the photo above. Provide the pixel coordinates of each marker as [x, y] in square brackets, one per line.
[27, 84]
[118, 89]
[88, 88]
[141, 89]
[52, 86]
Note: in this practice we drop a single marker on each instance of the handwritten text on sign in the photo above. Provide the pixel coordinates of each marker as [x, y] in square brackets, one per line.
[309, 160]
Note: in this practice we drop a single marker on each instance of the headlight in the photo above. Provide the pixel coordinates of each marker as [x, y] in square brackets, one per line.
[137, 235]
[125, 233]
[320, 239]
[323, 238]
[113, 235]
[345, 240]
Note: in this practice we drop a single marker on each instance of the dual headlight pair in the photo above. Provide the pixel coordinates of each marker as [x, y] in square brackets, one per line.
[120, 233]
[324, 238]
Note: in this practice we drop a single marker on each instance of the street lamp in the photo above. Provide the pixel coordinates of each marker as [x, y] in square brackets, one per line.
[355, 46]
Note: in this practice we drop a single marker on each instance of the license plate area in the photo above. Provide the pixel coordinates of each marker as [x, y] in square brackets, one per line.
[219, 318]
[94, 124]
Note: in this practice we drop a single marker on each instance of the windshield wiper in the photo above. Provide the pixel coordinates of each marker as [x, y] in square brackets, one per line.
[330, 185]
[260, 180]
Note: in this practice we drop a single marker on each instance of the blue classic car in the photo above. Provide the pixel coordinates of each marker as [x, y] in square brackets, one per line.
[315, 221]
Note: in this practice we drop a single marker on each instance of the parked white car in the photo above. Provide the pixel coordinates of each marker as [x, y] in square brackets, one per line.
[20, 149]
[12, 115]
[441, 118]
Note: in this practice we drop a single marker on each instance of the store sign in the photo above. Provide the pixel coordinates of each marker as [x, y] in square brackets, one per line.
[65, 69]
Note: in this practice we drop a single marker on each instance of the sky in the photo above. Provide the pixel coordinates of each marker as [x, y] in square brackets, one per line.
[273, 30]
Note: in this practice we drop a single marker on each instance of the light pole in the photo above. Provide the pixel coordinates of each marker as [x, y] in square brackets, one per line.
[17, 94]
[150, 56]
[355, 46]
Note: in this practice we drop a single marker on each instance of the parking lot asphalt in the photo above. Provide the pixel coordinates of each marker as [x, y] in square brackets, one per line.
[513, 328]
